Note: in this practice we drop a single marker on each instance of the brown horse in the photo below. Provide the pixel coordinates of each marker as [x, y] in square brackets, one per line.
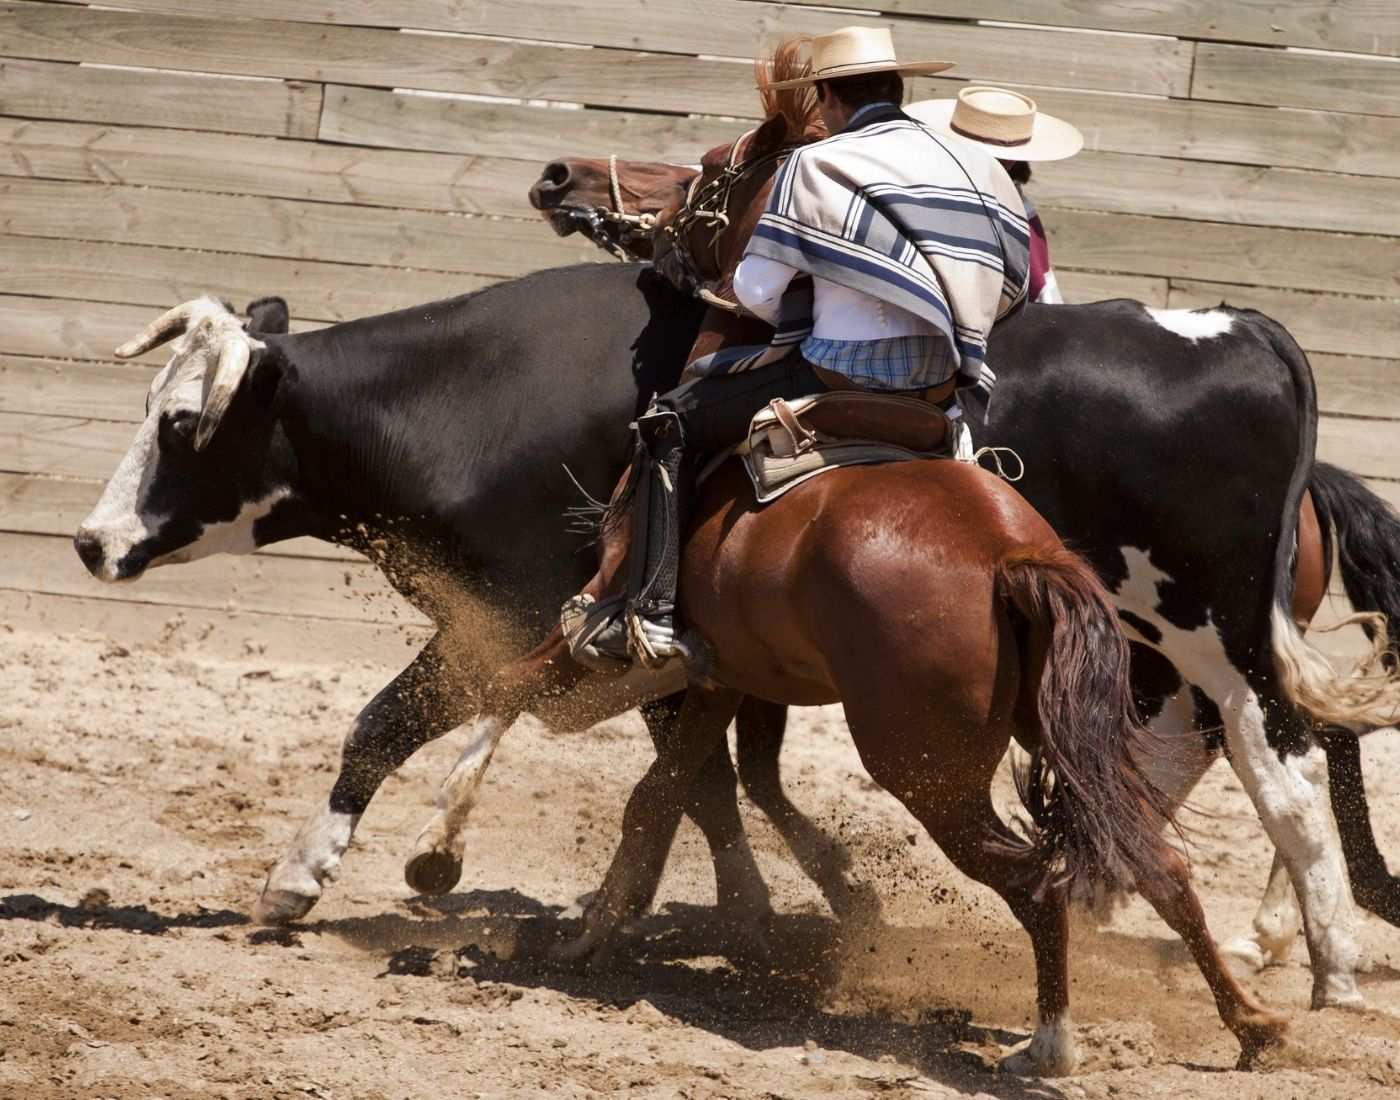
[947, 617]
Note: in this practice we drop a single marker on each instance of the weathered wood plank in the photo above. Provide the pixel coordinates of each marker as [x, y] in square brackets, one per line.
[399, 120]
[236, 164]
[1186, 129]
[1361, 26]
[36, 505]
[1097, 286]
[514, 69]
[730, 28]
[53, 387]
[1251, 255]
[263, 583]
[160, 277]
[178, 101]
[58, 329]
[62, 446]
[1198, 190]
[1244, 74]
[1365, 447]
[284, 227]
[1358, 387]
[173, 628]
[1319, 322]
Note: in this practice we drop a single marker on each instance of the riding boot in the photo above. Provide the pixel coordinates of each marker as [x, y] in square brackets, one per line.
[657, 532]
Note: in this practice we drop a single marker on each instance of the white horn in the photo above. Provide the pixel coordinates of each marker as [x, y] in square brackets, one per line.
[233, 365]
[167, 326]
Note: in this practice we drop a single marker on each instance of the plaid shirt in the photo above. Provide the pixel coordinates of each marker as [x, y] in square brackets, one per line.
[896, 363]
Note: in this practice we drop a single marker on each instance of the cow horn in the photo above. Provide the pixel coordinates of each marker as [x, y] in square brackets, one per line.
[233, 365]
[167, 326]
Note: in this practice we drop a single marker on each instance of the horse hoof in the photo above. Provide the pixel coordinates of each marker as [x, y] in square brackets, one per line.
[748, 943]
[589, 952]
[1262, 1033]
[433, 872]
[277, 907]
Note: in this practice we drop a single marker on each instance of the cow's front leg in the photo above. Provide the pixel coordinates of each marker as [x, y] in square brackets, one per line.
[422, 703]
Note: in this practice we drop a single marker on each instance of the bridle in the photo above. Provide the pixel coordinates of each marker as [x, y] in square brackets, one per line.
[708, 203]
[613, 230]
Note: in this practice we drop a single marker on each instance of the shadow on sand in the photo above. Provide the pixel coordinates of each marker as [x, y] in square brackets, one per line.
[102, 914]
[675, 961]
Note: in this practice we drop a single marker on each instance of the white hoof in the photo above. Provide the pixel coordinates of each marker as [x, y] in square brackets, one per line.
[1337, 992]
[1245, 957]
[1050, 1053]
[277, 906]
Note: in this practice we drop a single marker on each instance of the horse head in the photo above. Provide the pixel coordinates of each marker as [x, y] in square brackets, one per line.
[613, 203]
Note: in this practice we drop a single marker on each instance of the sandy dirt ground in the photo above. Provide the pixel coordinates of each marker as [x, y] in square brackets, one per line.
[145, 791]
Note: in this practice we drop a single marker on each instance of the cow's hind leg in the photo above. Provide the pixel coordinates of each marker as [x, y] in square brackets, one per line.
[1288, 789]
[421, 703]
[758, 731]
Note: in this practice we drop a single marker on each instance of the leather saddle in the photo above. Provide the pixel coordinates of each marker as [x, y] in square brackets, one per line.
[790, 442]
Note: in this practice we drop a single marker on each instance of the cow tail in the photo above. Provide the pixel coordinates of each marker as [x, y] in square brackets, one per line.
[1096, 820]
[1369, 694]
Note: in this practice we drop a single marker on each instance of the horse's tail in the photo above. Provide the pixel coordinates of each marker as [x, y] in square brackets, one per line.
[1096, 820]
[1369, 695]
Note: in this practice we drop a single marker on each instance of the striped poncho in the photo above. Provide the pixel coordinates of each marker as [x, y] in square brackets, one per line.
[892, 210]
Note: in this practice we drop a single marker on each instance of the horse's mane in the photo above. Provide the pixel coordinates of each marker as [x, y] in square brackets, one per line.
[797, 107]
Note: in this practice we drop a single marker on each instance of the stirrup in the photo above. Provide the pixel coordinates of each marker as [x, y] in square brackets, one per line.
[596, 631]
[653, 639]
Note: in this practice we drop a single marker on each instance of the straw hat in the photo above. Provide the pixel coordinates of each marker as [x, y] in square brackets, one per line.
[855, 51]
[1004, 123]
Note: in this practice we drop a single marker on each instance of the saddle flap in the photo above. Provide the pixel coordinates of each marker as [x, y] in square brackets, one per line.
[908, 423]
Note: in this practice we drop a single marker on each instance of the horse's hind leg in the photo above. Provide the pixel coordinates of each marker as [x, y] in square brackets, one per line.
[758, 736]
[981, 847]
[1176, 903]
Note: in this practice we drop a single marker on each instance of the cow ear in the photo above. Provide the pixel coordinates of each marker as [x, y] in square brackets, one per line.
[268, 315]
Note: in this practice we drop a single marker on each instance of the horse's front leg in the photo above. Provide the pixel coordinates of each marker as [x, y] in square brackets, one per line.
[422, 703]
[649, 822]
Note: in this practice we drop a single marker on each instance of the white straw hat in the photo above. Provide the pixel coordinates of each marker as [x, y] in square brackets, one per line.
[1004, 123]
[855, 51]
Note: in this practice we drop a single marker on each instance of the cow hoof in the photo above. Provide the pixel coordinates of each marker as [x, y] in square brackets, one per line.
[1334, 993]
[276, 907]
[1024, 1063]
[1245, 957]
[433, 872]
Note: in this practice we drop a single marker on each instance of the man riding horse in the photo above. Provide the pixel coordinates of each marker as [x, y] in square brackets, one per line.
[882, 260]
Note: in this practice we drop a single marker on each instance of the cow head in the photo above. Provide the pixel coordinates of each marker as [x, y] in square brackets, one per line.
[611, 202]
[208, 465]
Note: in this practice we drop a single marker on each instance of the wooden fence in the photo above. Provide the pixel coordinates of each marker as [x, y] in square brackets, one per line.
[361, 155]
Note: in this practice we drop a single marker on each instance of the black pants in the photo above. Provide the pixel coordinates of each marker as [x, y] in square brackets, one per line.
[715, 412]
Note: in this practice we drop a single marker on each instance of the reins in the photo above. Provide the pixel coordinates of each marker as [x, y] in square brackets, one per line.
[613, 230]
[709, 203]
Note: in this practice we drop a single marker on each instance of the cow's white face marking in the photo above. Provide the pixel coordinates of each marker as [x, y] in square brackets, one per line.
[1290, 793]
[124, 518]
[1193, 324]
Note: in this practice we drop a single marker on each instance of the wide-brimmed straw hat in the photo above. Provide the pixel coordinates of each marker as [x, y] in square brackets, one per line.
[1004, 123]
[855, 51]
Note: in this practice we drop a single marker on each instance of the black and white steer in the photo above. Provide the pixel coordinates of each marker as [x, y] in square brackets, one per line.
[1171, 447]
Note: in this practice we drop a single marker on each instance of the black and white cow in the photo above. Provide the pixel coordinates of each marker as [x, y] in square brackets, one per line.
[1172, 447]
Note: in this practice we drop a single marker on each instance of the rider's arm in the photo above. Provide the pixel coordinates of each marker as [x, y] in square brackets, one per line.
[759, 284]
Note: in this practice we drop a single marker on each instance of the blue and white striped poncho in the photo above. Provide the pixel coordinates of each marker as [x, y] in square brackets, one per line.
[892, 210]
